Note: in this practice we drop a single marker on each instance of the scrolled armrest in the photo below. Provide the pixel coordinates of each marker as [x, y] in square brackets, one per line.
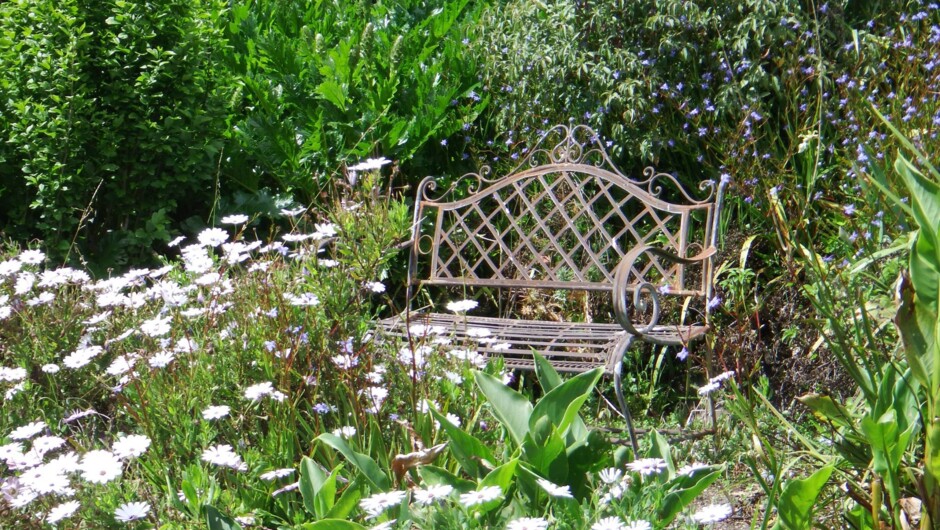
[623, 310]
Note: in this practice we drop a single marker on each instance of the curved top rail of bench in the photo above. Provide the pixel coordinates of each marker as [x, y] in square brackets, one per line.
[577, 149]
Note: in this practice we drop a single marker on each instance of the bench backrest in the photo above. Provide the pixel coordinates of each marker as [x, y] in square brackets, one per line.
[563, 219]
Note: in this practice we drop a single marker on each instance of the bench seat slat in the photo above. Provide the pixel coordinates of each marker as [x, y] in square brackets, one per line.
[572, 347]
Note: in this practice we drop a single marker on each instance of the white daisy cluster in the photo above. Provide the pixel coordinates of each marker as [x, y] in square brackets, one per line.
[40, 475]
[22, 270]
[613, 483]
[429, 338]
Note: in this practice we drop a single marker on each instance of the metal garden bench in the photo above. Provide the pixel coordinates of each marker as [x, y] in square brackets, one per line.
[565, 219]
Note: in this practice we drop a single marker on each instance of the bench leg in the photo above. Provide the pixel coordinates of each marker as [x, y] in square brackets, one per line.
[618, 388]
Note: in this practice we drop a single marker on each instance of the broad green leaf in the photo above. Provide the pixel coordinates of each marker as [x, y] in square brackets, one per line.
[347, 502]
[795, 506]
[887, 445]
[511, 408]
[562, 403]
[326, 494]
[435, 475]
[659, 448]
[219, 521]
[925, 197]
[826, 408]
[683, 489]
[933, 446]
[363, 463]
[332, 524]
[546, 452]
[334, 93]
[469, 451]
[548, 377]
[311, 479]
[587, 456]
[925, 274]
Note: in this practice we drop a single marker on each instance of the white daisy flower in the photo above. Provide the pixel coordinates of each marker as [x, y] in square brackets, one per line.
[224, 456]
[647, 466]
[100, 467]
[216, 412]
[285, 489]
[66, 509]
[610, 475]
[258, 391]
[44, 444]
[237, 219]
[50, 368]
[432, 494]
[370, 164]
[293, 213]
[554, 489]
[462, 306]
[527, 523]
[130, 446]
[12, 375]
[690, 469]
[480, 496]
[131, 511]
[722, 376]
[378, 503]
[212, 237]
[31, 257]
[277, 473]
[712, 513]
[27, 431]
[161, 359]
[345, 432]
[608, 523]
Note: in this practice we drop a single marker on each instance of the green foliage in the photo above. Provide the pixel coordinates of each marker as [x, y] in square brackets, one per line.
[798, 498]
[113, 117]
[217, 520]
[330, 83]
[918, 321]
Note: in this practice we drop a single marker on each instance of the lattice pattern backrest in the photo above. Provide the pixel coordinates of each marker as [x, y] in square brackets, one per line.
[564, 224]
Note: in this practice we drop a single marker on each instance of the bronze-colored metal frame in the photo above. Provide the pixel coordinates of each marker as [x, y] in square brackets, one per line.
[483, 232]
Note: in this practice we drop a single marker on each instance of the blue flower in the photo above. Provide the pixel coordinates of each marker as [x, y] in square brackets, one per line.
[683, 354]
[714, 303]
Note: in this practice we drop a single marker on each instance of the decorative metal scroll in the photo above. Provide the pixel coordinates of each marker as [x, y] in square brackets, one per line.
[577, 145]
[564, 218]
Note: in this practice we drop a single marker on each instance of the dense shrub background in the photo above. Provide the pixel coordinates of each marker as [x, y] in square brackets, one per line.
[123, 121]
[113, 116]
[327, 84]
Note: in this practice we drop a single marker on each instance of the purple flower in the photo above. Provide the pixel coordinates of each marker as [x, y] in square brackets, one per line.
[714, 302]
[683, 354]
